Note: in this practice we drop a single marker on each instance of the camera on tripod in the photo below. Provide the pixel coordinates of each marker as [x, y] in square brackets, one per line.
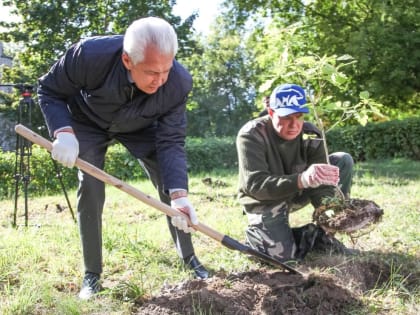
[22, 87]
[24, 150]
[25, 89]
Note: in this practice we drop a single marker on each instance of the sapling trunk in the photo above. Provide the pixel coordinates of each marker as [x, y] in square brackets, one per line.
[324, 138]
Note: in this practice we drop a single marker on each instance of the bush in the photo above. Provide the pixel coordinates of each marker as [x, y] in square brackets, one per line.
[206, 154]
[43, 174]
[203, 155]
[391, 139]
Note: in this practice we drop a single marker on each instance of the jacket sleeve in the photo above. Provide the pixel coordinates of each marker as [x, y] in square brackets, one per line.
[171, 131]
[170, 148]
[63, 80]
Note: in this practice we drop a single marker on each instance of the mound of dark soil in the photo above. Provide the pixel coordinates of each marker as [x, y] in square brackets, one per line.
[329, 285]
[255, 292]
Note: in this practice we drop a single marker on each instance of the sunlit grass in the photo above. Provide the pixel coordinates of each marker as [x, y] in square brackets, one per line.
[41, 265]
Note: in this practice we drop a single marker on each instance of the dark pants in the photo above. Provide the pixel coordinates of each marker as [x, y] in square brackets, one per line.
[93, 144]
[272, 234]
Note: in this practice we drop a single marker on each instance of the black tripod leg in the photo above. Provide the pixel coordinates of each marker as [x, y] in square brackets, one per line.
[23, 149]
[16, 202]
[25, 189]
[22, 175]
[18, 176]
[17, 180]
[26, 176]
[60, 178]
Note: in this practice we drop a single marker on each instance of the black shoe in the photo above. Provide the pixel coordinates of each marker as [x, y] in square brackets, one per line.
[330, 244]
[305, 237]
[90, 286]
[192, 263]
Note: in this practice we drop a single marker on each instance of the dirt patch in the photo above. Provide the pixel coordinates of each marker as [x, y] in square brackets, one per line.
[329, 285]
[261, 291]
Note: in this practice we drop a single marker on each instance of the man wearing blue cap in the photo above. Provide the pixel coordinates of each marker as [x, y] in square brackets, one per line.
[283, 167]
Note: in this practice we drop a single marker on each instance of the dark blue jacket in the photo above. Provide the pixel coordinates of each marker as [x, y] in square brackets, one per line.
[89, 82]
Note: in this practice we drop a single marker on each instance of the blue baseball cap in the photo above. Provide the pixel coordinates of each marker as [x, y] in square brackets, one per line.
[288, 99]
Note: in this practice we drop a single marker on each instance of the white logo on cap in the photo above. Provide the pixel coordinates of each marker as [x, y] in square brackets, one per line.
[288, 97]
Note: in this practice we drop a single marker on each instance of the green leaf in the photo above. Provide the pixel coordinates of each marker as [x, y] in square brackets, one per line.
[364, 95]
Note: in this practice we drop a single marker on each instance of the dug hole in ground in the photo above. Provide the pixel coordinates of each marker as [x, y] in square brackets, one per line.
[271, 291]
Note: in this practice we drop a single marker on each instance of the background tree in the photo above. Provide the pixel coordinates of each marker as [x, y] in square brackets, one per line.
[252, 43]
[224, 88]
[381, 35]
[324, 77]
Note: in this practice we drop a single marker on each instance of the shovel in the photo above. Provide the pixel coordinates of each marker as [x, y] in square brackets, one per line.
[109, 179]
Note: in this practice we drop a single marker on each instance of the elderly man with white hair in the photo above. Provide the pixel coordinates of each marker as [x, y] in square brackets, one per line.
[126, 88]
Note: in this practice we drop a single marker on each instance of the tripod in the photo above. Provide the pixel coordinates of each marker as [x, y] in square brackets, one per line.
[24, 152]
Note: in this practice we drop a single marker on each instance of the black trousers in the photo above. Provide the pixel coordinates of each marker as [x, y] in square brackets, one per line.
[93, 144]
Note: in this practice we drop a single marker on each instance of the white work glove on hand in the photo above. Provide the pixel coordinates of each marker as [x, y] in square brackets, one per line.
[65, 148]
[182, 204]
[320, 174]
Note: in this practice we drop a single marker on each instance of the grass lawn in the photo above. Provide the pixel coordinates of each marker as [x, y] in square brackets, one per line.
[41, 265]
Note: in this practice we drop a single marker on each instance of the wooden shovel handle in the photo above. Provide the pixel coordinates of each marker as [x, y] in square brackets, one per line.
[111, 180]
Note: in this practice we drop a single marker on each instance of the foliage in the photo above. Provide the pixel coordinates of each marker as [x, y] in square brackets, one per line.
[203, 155]
[390, 139]
[6, 99]
[223, 95]
[381, 140]
[381, 36]
[323, 76]
[43, 175]
[206, 154]
[251, 43]
[24, 109]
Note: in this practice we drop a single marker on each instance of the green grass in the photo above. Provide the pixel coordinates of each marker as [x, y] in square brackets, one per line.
[41, 265]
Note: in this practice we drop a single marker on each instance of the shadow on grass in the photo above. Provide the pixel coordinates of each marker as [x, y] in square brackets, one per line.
[372, 270]
[397, 171]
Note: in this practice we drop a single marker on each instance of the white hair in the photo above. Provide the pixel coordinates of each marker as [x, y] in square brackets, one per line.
[149, 31]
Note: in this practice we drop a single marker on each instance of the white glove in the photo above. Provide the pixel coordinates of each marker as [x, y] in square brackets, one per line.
[320, 174]
[65, 148]
[182, 204]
